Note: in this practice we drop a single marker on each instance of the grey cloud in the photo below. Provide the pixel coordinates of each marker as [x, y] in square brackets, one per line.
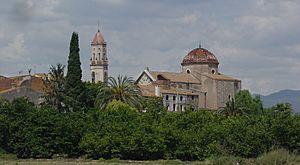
[256, 41]
[22, 11]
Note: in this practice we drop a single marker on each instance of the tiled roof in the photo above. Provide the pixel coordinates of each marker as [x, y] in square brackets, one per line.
[220, 77]
[199, 56]
[36, 83]
[2, 77]
[175, 77]
[149, 90]
[5, 84]
[98, 39]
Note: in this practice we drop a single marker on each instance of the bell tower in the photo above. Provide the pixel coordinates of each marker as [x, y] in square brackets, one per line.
[99, 61]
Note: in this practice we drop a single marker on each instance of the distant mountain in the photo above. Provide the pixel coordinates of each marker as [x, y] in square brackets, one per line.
[290, 96]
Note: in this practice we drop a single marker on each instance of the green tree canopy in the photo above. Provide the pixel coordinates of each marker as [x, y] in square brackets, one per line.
[252, 105]
[74, 86]
[121, 89]
[55, 88]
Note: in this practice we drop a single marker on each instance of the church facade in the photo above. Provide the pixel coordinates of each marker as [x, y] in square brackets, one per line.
[199, 84]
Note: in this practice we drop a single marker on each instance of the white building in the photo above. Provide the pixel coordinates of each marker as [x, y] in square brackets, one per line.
[99, 60]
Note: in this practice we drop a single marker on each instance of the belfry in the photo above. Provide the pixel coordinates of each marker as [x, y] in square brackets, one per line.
[99, 60]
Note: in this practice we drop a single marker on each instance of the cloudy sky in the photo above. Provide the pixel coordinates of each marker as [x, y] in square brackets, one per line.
[257, 41]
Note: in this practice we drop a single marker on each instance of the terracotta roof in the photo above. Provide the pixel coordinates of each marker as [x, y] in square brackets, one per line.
[175, 77]
[36, 83]
[2, 77]
[5, 84]
[149, 90]
[199, 56]
[98, 39]
[220, 77]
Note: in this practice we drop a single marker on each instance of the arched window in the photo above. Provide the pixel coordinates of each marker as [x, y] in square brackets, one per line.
[188, 71]
[213, 71]
[167, 97]
[93, 77]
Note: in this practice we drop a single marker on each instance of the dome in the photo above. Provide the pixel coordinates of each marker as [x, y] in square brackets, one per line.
[199, 56]
[98, 39]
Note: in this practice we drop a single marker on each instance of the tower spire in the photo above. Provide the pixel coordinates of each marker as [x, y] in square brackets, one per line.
[199, 44]
[98, 25]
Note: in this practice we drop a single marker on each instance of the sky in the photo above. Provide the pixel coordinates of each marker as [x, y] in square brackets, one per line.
[256, 41]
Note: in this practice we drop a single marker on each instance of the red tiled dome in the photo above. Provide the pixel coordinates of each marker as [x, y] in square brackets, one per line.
[199, 56]
[98, 39]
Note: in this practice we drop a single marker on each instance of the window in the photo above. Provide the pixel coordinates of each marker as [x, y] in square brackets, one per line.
[174, 97]
[181, 98]
[93, 77]
[174, 107]
[188, 71]
[167, 97]
[181, 108]
[192, 97]
[213, 71]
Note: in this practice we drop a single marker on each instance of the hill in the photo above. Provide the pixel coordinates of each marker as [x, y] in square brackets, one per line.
[290, 96]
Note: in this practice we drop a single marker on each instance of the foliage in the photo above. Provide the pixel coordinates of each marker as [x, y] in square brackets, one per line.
[120, 131]
[55, 93]
[246, 136]
[153, 104]
[90, 90]
[5, 110]
[251, 105]
[74, 86]
[232, 109]
[122, 89]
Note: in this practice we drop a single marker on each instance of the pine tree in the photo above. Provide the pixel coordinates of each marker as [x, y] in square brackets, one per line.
[74, 85]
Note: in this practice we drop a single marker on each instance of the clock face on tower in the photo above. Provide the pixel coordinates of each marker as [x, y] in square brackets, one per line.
[145, 80]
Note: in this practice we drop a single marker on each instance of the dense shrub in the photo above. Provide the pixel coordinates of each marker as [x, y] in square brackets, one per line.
[122, 132]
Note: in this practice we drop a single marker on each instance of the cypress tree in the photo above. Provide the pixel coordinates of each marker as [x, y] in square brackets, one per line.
[74, 85]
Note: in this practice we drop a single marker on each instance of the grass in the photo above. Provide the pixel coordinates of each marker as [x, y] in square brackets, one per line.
[276, 157]
[95, 162]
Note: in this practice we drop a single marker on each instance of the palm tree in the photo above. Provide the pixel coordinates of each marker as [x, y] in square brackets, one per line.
[55, 87]
[232, 109]
[122, 89]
